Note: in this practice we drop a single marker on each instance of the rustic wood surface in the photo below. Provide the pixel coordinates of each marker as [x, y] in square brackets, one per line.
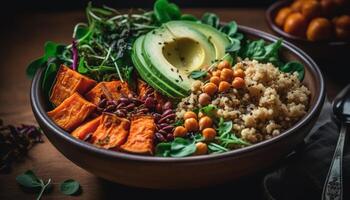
[22, 40]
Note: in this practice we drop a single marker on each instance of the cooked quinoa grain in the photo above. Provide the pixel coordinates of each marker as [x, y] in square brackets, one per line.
[270, 101]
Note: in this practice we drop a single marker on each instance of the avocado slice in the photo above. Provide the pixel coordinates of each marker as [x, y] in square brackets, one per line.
[147, 75]
[176, 49]
[217, 38]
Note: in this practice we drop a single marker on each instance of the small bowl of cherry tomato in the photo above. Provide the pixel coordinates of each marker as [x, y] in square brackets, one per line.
[319, 27]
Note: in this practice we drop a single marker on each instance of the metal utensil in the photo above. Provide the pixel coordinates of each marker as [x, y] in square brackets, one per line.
[333, 187]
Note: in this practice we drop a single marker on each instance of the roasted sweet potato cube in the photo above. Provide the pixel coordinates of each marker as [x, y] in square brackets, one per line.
[113, 90]
[67, 82]
[111, 132]
[88, 128]
[71, 112]
[140, 139]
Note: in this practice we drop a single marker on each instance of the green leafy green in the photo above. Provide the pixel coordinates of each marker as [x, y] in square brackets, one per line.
[294, 66]
[165, 11]
[179, 147]
[69, 187]
[230, 29]
[234, 46]
[188, 17]
[226, 138]
[198, 74]
[224, 127]
[29, 180]
[211, 19]
[179, 122]
[216, 148]
[209, 110]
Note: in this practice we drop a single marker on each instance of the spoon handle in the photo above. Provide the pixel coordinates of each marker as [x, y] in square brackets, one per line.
[333, 187]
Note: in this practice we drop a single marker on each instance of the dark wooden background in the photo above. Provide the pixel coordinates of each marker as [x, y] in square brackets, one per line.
[22, 36]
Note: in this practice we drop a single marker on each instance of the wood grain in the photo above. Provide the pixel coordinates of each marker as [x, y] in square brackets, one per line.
[22, 41]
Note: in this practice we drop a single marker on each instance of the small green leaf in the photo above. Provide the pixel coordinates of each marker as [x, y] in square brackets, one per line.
[163, 149]
[29, 179]
[230, 29]
[49, 77]
[69, 187]
[216, 148]
[209, 110]
[181, 147]
[198, 74]
[224, 127]
[294, 66]
[34, 66]
[178, 123]
[165, 11]
[81, 67]
[81, 32]
[211, 19]
[234, 45]
[188, 17]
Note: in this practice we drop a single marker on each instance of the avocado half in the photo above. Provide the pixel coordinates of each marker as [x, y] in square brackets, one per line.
[166, 56]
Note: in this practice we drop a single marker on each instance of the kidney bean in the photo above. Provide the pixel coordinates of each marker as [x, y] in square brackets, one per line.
[150, 102]
[124, 100]
[110, 102]
[120, 105]
[120, 113]
[167, 112]
[102, 103]
[156, 117]
[169, 137]
[162, 132]
[165, 118]
[130, 106]
[168, 105]
[160, 137]
[168, 128]
[110, 108]
[162, 125]
[136, 101]
[159, 108]
[143, 110]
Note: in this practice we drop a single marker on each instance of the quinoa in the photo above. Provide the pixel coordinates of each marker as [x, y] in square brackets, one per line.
[270, 102]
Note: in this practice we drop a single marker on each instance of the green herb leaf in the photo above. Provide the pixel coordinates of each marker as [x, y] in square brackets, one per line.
[224, 127]
[230, 139]
[198, 74]
[216, 148]
[229, 29]
[165, 11]
[49, 78]
[178, 123]
[28, 179]
[69, 187]
[188, 17]
[34, 66]
[181, 147]
[163, 149]
[81, 67]
[294, 66]
[209, 110]
[211, 19]
[234, 45]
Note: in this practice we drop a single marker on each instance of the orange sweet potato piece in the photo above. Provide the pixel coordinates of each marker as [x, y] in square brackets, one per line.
[89, 127]
[113, 90]
[141, 135]
[67, 82]
[71, 112]
[112, 131]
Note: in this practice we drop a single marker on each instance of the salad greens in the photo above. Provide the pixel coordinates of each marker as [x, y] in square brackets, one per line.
[179, 147]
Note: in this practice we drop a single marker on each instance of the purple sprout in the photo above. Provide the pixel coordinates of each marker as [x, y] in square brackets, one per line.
[75, 55]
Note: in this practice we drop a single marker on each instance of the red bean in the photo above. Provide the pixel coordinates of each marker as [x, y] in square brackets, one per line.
[168, 128]
[130, 106]
[167, 112]
[168, 105]
[160, 137]
[165, 118]
[169, 137]
[149, 102]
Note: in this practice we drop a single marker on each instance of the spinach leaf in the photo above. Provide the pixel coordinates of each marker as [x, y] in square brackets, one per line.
[216, 148]
[209, 110]
[229, 139]
[229, 29]
[294, 66]
[234, 45]
[224, 127]
[188, 17]
[69, 187]
[211, 19]
[181, 147]
[81, 67]
[34, 66]
[163, 149]
[49, 78]
[198, 74]
[28, 179]
[178, 123]
[165, 11]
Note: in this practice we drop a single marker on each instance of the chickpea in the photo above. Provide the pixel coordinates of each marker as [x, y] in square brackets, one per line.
[209, 134]
[296, 5]
[311, 9]
[201, 148]
[319, 29]
[223, 64]
[217, 73]
[295, 24]
[204, 99]
[239, 73]
[282, 15]
[205, 122]
[189, 114]
[238, 82]
[215, 80]
[226, 75]
[191, 125]
[180, 131]
[224, 86]
[210, 88]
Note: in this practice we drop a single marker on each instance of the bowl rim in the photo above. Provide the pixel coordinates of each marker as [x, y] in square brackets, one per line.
[270, 21]
[40, 113]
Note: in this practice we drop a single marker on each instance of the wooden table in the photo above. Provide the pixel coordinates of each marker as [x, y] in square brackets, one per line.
[21, 41]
